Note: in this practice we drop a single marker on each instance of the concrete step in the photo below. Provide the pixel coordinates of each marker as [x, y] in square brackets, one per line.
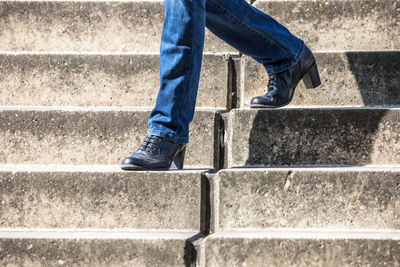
[55, 26]
[370, 78]
[95, 248]
[93, 136]
[136, 26]
[302, 248]
[63, 196]
[331, 198]
[130, 80]
[313, 136]
[34, 79]
[339, 25]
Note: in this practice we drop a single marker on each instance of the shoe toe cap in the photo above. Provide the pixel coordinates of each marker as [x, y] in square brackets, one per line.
[141, 160]
[256, 100]
[127, 161]
[262, 100]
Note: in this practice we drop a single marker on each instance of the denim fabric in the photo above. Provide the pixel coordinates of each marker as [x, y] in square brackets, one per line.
[236, 22]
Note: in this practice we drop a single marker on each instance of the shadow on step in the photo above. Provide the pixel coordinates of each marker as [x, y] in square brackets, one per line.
[334, 136]
[377, 74]
[314, 137]
[190, 255]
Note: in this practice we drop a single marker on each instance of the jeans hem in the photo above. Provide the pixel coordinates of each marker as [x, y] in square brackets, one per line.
[169, 136]
[277, 69]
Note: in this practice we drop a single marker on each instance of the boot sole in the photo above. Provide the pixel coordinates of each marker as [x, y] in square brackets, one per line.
[132, 167]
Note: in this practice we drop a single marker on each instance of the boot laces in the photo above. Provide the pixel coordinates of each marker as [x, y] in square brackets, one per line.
[272, 82]
[272, 86]
[150, 143]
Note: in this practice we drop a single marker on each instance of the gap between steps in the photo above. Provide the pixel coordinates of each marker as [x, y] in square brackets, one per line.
[193, 252]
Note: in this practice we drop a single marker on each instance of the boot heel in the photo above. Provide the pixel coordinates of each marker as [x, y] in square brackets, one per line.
[177, 162]
[311, 78]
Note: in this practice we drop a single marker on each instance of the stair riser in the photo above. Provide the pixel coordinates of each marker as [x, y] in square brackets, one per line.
[96, 80]
[339, 25]
[308, 199]
[86, 26]
[92, 137]
[299, 252]
[138, 200]
[64, 252]
[91, 26]
[348, 79]
[313, 137]
[358, 79]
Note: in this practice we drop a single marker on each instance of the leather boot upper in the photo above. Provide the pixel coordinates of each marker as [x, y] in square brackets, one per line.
[281, 85]
[154, 152]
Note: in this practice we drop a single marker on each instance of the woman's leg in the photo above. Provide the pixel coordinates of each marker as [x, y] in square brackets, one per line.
[285, 57]
[253, 33]
[180, 62]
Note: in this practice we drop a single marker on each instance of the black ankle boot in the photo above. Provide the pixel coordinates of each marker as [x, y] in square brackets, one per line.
[281, 85]
[156, 153]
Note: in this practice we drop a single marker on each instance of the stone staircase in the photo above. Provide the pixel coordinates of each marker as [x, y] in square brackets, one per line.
[316, 183]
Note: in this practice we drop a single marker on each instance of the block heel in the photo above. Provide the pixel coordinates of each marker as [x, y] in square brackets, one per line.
[311, 78]
[177, 162]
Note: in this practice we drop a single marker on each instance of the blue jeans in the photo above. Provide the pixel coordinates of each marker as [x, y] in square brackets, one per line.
[236, 22]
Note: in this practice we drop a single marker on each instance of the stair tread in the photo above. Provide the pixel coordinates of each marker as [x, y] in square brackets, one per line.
[117, 168]
[299, 233]
[78, 168]
[94, 234]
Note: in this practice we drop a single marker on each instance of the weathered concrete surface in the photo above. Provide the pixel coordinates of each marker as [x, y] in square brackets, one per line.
[99, 199]
[348, 79]
[86, 26]
[105, 249]
[339, 25]
[294, 251]
[333, 198]
[53, 136]
[316, 136]
[99, 80]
